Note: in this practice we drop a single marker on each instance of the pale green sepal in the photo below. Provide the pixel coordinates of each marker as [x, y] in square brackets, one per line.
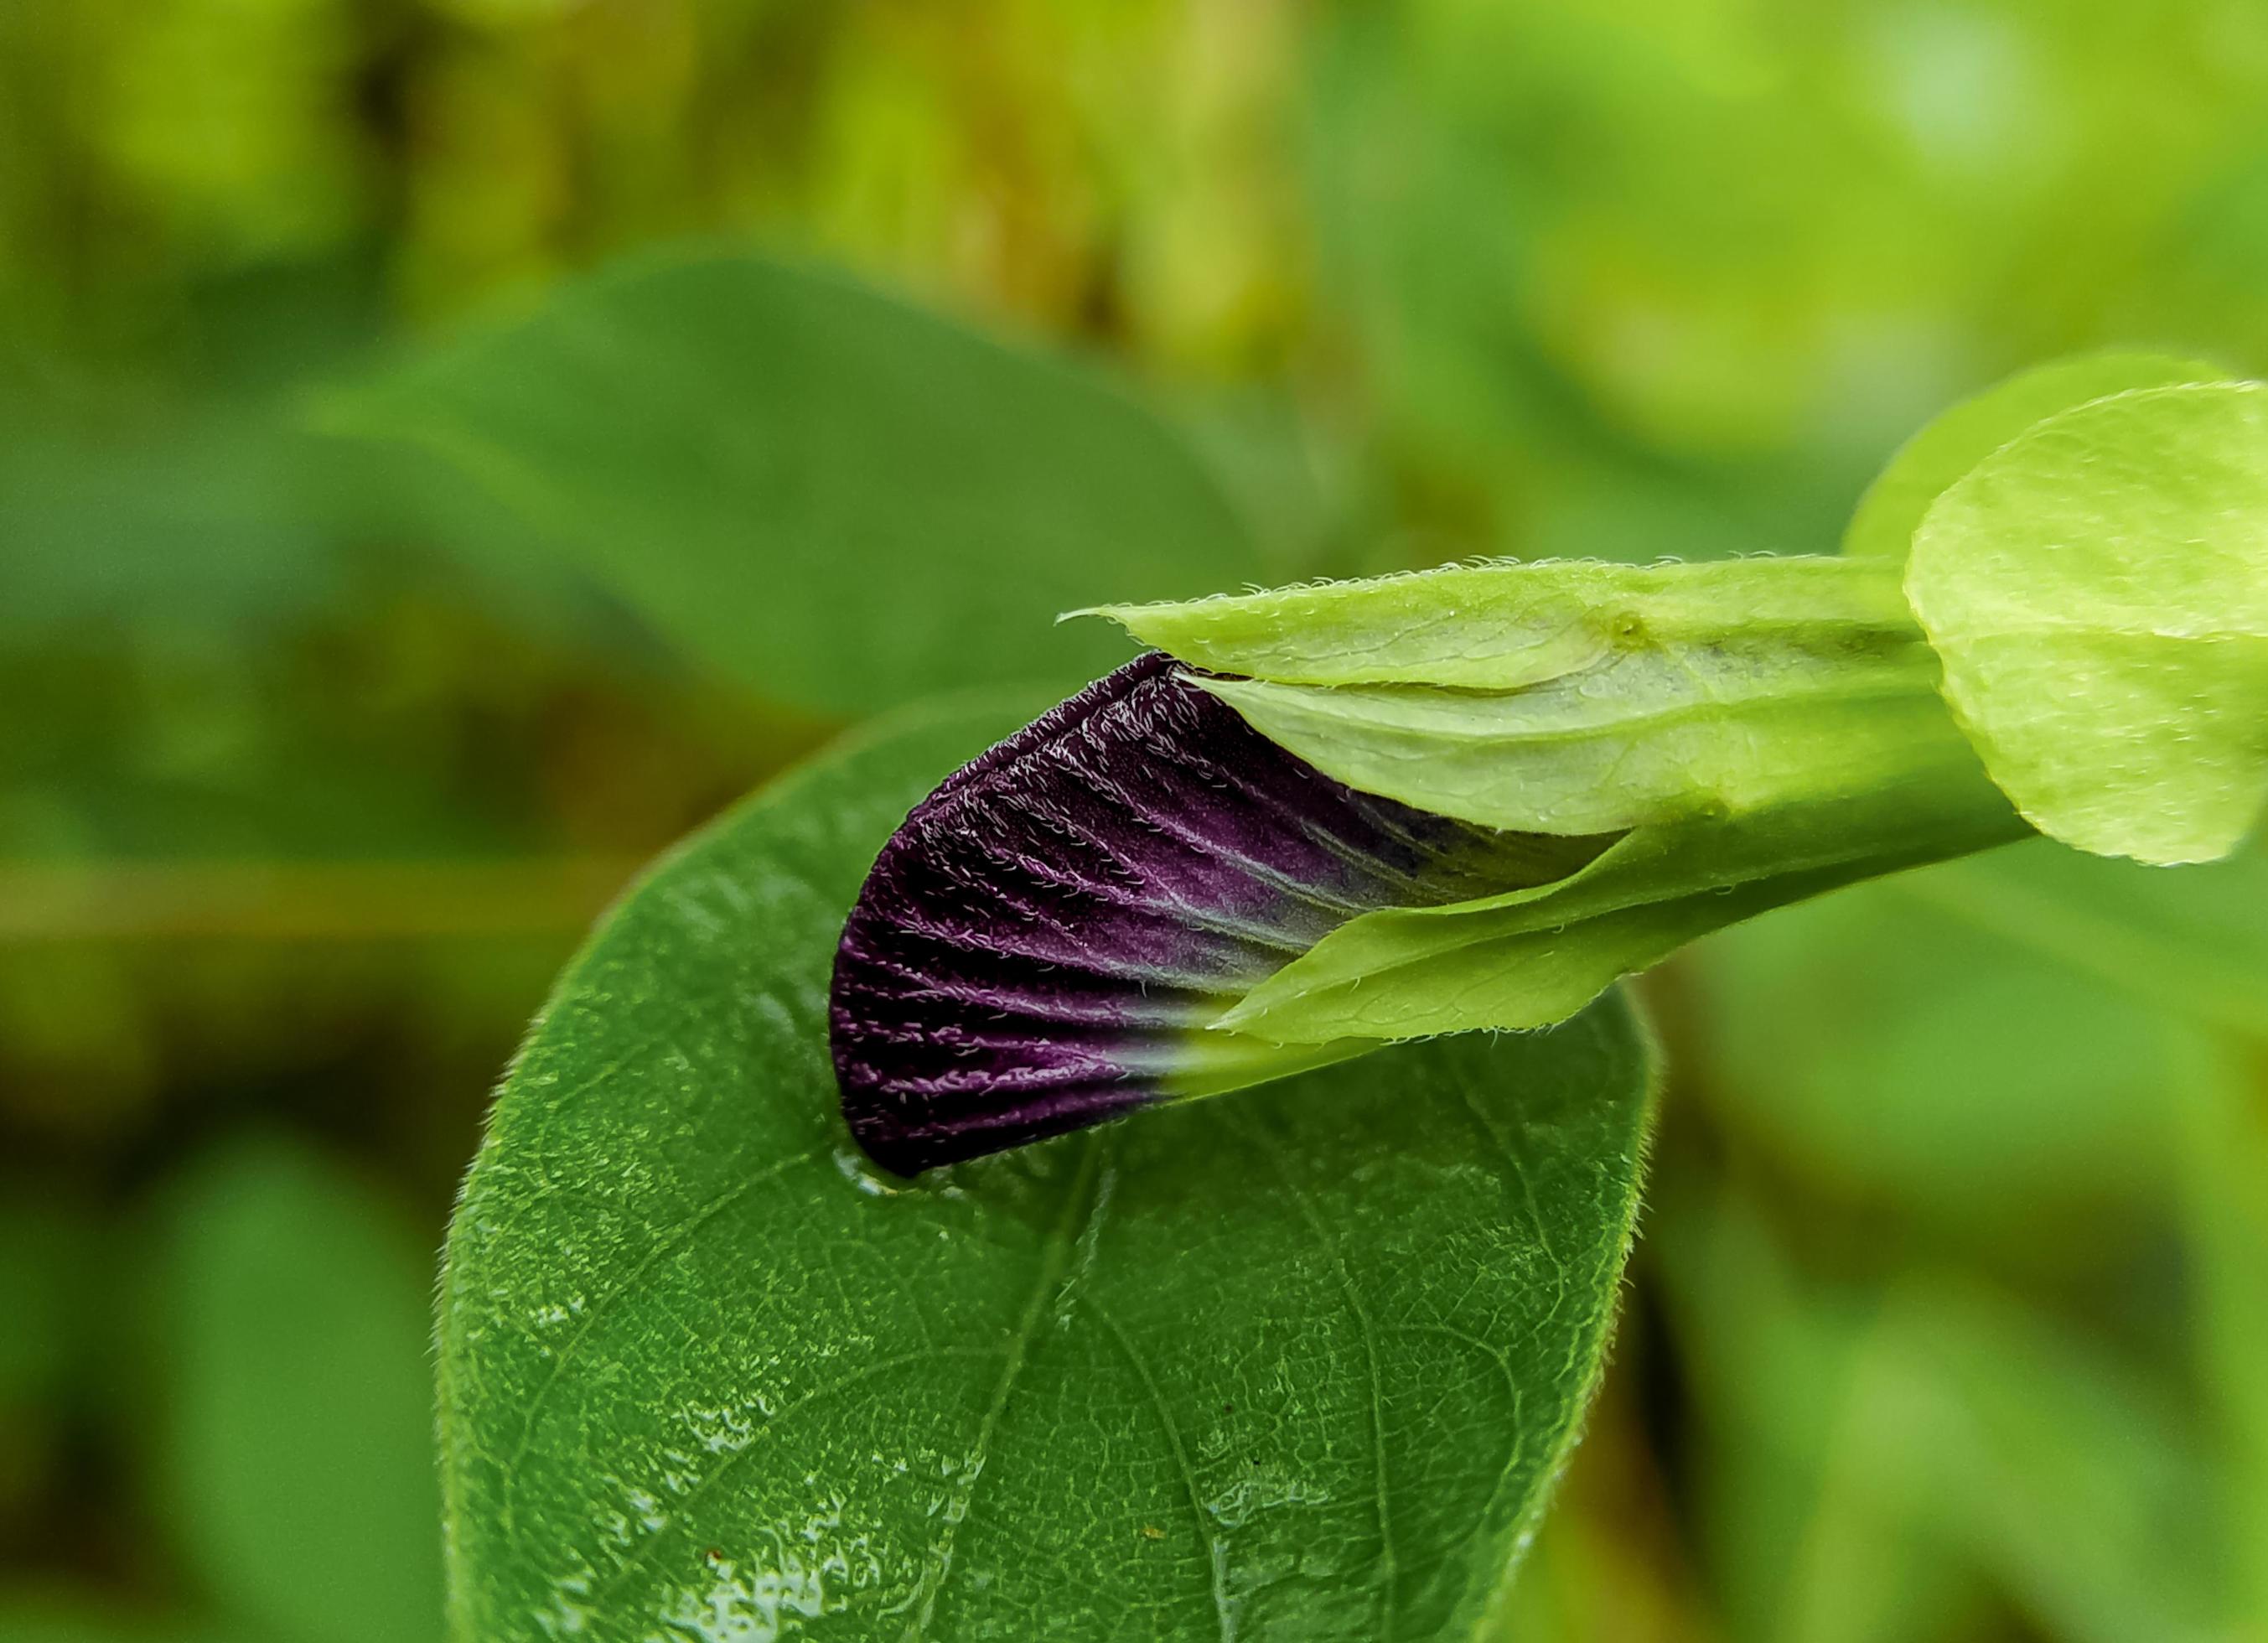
[2098, 592]
[1647, 737]
[1580, 699]
[1928, 464]
[1209, 1062]
[1534, 957]
[1756, 732]
[1504, 626]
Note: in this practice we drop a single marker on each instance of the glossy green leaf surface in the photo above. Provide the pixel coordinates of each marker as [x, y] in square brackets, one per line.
[1299, 1362]
[1928, 464]
[2098, 590]
[814, 489]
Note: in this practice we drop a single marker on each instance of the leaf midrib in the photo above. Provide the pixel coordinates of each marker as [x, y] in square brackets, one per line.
[1082, 1205]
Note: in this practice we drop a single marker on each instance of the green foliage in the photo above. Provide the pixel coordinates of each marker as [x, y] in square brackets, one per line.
[295, 1316]
[1301, 1363]
[815, 489]
[1957, 440]
[2025, 1056]
[49, 1256]
[204, 525]
[2097, 592]
[2190, 945]
[1890, 1045]
[1662, 277]
[2226, 1138]
[1926, 1442]
[60, 1619]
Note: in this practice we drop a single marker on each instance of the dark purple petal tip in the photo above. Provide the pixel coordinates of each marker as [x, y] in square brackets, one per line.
[1039, 947]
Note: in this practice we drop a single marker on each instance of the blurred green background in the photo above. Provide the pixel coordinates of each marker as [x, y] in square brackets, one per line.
[317, 755]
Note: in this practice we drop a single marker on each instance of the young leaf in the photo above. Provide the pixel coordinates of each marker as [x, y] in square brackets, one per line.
[2098, 590]
[1504, 626]
[1296, 1363]
[829, 495]
[1928, 464]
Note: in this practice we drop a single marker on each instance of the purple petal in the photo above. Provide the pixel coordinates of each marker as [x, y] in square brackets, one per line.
[1040, 946]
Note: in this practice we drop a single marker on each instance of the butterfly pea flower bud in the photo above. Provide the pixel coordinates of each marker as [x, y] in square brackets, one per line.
[1361, 811]
[1046, 941]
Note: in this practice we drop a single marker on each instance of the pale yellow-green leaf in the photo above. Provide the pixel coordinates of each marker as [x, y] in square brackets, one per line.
[1952, 443]
[2098, 592]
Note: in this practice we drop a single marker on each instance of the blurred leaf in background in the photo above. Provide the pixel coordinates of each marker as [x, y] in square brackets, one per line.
[53, 1256]
[815, 491]
[275, 1346]
[1903, 1461]
[1889, 1051]
[63, 1619]
[296, 1420]
[2227, 1219]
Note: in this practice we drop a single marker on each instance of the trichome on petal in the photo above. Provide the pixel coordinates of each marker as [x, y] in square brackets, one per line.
[1046, 941]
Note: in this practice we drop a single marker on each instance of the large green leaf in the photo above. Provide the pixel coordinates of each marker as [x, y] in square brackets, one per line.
[1297, 1363]
[816, 490]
